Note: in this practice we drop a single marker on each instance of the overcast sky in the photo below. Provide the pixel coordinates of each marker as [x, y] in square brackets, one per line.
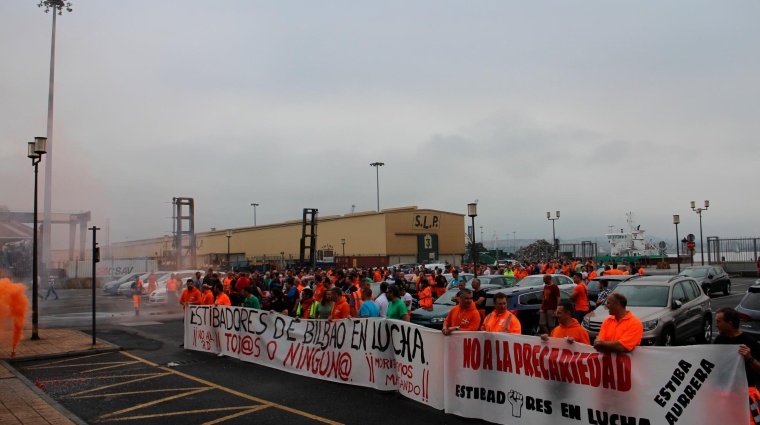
[594, 108]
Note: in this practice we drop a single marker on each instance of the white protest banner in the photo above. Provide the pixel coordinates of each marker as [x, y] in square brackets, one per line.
[514, 379]
[377, 353]
[420, 372]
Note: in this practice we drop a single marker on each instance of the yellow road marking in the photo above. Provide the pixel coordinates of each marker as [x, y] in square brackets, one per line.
[150, 376]
[70, 359]
[140, 392]
[151, 403]
[184, 412]
[72, 365]
[138, 358]
[109, 367]
[237, 393]
[100, 377]
[235, 415]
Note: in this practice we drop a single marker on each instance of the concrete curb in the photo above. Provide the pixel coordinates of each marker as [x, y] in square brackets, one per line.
[112, 348]
[49, 400]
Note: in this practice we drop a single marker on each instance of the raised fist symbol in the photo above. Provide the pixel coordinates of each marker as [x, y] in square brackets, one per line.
[516, 400]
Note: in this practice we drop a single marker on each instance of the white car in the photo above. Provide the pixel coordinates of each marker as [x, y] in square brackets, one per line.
[159, 295]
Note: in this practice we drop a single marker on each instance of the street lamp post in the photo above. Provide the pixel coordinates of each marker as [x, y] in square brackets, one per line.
[676, 221]
[57, 6]
[229, 236]
[254, 213]
[481, 235]
[343, 242]
[554, 237]
[514, 242]
[701, 241]
[472, 212]
[377, 166]
[35, 150]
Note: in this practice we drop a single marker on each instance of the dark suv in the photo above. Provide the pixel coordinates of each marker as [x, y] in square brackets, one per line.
[524, 304]
[710, 278]
[670, 309]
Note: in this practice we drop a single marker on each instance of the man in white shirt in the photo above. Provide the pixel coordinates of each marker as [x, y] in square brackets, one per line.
[487, 272]
[382, 301]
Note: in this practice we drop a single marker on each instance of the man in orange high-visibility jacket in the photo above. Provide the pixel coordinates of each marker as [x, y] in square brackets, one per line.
[191, 295]
[463, 317]
[622, 331]
[568, 327]
[221, 297]
[501, 319]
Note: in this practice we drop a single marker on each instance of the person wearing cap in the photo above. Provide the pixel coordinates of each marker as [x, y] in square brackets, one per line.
[208, 296]
[191, 295]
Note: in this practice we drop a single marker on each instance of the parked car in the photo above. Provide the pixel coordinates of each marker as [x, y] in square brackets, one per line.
[441, 307]
[537, 280]
[749, 311]
[125, 288]
[670, 309]
[112, 287]
[525, 305]
[612, 283]
[159, 295]
[710, 278]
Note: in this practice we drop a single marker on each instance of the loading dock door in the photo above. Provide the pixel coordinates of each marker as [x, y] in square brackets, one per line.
[427, 248]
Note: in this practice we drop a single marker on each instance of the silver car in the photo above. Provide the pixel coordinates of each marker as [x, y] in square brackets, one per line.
[670, 309]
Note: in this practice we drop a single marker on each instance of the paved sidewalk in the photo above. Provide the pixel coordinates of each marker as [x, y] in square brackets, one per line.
[52, 343]
[20, 405]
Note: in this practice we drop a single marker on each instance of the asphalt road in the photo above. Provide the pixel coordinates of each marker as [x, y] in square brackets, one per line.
[136, 386]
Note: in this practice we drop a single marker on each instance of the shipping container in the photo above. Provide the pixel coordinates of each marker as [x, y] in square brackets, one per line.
[361, 261]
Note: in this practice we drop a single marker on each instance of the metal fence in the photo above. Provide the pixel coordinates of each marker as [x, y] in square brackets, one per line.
[583, 250]
[737, 255]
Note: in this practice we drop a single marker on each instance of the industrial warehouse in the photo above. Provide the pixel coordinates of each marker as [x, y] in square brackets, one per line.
[361, 239]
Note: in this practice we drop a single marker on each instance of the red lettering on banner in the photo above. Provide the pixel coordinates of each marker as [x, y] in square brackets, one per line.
[551, 364]
[329, 364]
[527, 349]
[608, 377]
[487, 359]
[518, 357]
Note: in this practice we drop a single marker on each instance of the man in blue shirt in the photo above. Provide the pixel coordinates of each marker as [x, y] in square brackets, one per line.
[368, 308]
[455, 279]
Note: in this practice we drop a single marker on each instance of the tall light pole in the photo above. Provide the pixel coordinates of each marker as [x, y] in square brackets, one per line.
[481, 235]
[554, 236]
[701, 241]
[57, 6]
[343, 242]
[254, 213]
[229, 235]
[472, 212]
[35, 150]
[377, 166]
[514, 242]
[676, 221]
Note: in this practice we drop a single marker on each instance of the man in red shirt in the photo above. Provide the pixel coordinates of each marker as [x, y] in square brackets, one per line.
[580, 297]
[548, 305]
[242, 282]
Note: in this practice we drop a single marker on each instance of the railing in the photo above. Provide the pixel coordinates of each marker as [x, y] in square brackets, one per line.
[734, 254]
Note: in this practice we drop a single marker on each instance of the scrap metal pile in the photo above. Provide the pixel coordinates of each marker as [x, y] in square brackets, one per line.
[537, 251]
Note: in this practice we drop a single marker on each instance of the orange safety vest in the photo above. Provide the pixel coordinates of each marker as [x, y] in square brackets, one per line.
[490, 320]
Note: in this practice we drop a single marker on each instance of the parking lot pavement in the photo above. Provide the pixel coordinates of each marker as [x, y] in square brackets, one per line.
[137, 386]
[122, 387]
